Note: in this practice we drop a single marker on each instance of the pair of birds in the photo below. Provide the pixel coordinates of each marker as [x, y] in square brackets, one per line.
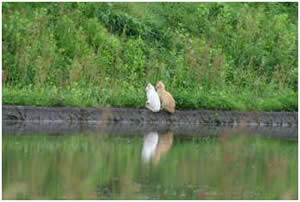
[156, 145]
[161, 99]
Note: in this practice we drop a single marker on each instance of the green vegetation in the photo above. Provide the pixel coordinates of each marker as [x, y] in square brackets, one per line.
[110, 167]
[239, 56]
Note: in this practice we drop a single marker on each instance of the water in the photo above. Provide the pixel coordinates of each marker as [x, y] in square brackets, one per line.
[164, 164]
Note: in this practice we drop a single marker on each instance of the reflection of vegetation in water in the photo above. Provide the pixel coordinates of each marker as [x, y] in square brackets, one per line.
[102, 167]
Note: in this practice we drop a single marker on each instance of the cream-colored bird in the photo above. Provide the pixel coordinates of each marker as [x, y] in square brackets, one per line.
[166, 99]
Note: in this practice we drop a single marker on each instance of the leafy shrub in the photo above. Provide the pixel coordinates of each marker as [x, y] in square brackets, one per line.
[210, 55]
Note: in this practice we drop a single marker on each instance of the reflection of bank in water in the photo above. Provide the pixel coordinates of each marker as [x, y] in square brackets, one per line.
[155, 146]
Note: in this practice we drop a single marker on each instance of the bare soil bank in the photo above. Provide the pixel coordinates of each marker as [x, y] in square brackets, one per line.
[144, 116]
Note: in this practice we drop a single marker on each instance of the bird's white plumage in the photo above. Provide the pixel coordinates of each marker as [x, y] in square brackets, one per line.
[149, 146]
[153, 101]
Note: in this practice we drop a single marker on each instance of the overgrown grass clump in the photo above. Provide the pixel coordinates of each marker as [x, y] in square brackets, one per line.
[236, 56]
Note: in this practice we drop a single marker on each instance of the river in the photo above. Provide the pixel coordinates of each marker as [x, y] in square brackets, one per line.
[138, 162]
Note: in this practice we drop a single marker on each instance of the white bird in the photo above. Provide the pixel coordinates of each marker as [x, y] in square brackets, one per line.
[149, 146]
[153, 102]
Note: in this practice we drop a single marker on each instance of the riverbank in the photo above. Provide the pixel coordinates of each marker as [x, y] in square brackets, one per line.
[143, 116]
[225, 98]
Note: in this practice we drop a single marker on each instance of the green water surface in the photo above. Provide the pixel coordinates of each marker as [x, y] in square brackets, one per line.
[97, 166]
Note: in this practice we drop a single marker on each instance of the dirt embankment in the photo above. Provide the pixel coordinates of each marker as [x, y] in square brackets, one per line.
[20, 120]
[130, 115]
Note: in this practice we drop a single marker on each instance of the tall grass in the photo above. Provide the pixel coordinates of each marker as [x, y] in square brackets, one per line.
[208, 54]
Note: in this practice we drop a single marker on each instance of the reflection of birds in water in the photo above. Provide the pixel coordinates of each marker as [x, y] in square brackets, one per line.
[156, 146]
[164, 144]
[149, 146]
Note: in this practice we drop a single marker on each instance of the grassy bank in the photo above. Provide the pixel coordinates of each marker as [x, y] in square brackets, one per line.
[215, 100]
[240, 56]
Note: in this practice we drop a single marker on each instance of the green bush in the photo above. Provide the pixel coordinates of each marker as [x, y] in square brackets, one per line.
[234, 56]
